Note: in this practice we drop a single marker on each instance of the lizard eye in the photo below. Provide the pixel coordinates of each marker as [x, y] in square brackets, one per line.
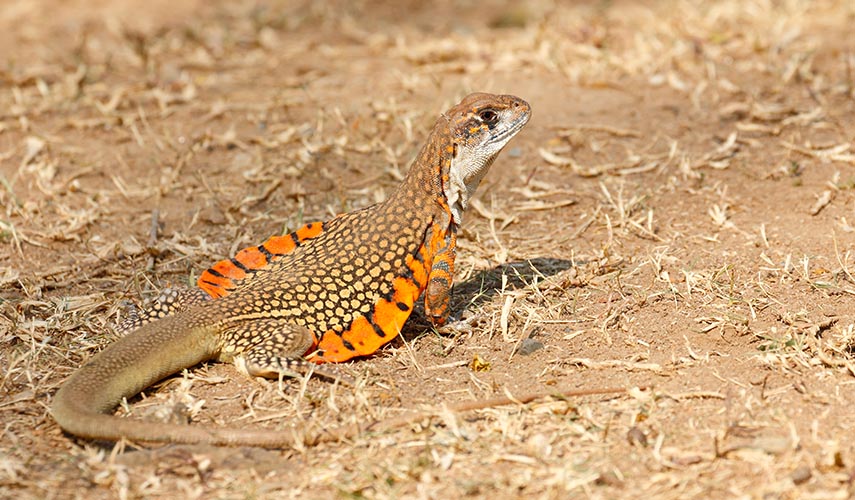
[488, 116]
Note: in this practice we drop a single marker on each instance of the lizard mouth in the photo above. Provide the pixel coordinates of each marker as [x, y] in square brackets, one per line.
[512, 129]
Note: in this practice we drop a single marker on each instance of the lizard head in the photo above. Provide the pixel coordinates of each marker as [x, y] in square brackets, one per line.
[480, 126]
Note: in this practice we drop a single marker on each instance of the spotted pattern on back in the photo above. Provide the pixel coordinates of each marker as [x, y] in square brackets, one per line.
[352, 284]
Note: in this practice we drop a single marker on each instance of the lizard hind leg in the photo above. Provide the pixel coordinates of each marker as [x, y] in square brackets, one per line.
[273, 347]
[169, 302]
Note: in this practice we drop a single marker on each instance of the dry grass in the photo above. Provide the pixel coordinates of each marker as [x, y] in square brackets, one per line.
[676, 217]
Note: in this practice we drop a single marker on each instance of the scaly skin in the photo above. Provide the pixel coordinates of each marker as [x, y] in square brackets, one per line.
[345, 286]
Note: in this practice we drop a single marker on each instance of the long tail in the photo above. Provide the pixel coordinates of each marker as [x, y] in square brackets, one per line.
[83, 405]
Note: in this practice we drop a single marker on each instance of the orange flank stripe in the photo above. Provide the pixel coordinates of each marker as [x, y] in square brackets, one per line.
[252, 258]
[280, 245]
[419, 272]
[221, 278]
[309, 231]
[390, 315]
[214, 286]
[333, 345]
[364, 336]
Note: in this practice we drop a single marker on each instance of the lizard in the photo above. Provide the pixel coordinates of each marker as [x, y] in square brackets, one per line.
[338, 289]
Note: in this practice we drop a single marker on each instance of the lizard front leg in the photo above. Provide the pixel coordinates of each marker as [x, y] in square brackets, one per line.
[440, 279]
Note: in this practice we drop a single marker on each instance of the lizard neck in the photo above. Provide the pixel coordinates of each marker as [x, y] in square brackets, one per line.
[424, 187]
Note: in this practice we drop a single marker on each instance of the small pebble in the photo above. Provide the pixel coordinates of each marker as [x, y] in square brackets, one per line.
[528, 346]
[609, 478]
[801, 475]
[636, 436]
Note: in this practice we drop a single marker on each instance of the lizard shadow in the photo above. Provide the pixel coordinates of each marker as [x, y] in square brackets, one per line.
[482, 286]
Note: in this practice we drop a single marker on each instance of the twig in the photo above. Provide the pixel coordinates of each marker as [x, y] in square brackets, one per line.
[152, 238]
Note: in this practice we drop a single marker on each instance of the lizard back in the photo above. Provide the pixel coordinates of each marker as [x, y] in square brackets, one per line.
[355, 281]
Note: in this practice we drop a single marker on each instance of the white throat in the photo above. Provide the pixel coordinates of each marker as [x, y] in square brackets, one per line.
[464, 178]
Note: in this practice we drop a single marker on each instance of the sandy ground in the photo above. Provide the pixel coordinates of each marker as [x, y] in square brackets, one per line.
[672, 223]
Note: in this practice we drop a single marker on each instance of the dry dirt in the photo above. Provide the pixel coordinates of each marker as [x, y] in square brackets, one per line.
[673, 223]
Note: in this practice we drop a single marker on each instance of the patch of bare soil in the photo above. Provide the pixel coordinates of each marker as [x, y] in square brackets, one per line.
[675, 222]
